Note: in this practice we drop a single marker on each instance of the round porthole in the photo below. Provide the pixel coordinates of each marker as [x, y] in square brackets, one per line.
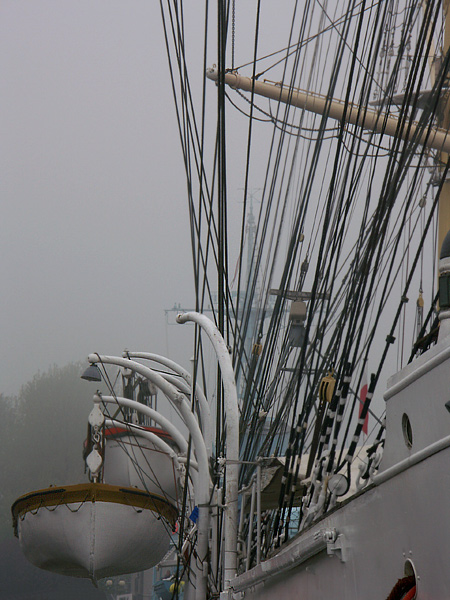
[407, 430]
[410, 571]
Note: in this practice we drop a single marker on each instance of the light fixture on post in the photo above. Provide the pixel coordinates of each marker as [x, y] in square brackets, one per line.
[92, 373]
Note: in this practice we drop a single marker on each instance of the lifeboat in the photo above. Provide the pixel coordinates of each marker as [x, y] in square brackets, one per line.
[131, 460]
[93, 530]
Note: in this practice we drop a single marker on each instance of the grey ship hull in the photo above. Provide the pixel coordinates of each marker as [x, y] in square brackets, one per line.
[399, 524]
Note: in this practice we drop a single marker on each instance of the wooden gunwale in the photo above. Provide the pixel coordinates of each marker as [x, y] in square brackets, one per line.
[92, 492]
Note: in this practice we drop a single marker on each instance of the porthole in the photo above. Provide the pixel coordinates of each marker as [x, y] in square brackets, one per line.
[407, 430]
[410, 571]
[407, 586]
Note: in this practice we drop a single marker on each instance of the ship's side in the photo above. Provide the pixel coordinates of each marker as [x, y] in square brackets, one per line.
[397, 525]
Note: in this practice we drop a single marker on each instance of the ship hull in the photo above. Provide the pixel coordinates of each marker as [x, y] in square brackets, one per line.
[383, 534]
[399, 525]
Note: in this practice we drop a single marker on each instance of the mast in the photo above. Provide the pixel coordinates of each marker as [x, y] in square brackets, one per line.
[444, 200]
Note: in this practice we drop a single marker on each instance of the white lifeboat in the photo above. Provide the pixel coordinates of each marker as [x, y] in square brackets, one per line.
[93, 530]
[131, 460]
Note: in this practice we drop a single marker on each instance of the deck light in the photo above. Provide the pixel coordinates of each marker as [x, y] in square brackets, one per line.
[92, 373]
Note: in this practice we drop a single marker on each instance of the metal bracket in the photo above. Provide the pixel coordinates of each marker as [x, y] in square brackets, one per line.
[230, 595]
[337, 547]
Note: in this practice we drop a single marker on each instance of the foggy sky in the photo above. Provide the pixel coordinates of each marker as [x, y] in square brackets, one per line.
[94, 233]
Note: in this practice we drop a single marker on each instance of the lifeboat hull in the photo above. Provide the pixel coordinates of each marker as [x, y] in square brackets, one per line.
[93, 530]
[133, 461]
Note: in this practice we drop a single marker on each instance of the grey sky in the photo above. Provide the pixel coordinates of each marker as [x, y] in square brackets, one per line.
[94, 234]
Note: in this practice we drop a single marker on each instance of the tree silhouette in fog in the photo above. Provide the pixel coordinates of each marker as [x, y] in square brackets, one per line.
[42, 432]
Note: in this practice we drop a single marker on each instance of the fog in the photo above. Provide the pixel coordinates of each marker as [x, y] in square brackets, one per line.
[94, 234]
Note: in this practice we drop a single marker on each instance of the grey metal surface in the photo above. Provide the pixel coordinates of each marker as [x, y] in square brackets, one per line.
[401, 522]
